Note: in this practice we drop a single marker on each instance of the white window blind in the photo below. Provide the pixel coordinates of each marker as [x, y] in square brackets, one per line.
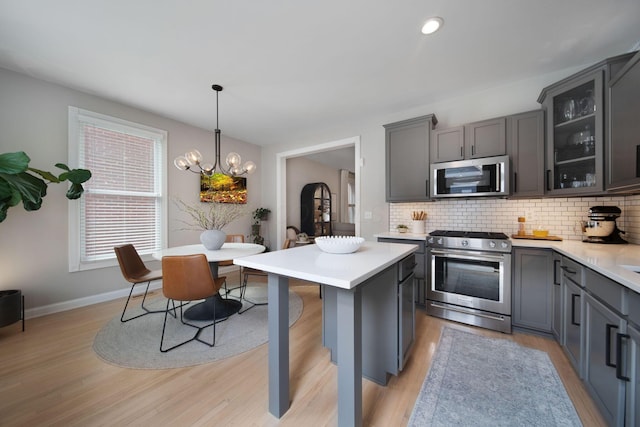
[123, 201]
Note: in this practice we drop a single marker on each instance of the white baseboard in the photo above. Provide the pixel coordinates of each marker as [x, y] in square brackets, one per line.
[107, 296]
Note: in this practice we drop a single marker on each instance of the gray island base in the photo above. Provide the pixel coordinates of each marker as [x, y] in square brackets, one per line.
[346, 277]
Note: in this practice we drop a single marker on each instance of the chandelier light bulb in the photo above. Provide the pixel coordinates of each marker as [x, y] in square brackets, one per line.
[234, 160]
[181, 163]
[249, 167]
[193, 157]
[207, 168]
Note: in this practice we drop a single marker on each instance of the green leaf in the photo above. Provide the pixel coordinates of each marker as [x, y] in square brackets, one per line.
[31, 188]
[3, 211]
[62, 166]
[46, 175]
[77, 176]
[75, 191]
[14, 163]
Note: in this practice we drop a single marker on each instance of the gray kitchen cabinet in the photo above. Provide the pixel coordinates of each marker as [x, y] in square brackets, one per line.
[623, 153]
[572, 300]
[407, 159]
[479, 139]
[632, 416]
[388, 321]
[525, 147]
[532, 294]
[605, 326]
[486, 138]
[575, 111]
[421, 267]
[556, 319]
[447, 144]
[601, 353]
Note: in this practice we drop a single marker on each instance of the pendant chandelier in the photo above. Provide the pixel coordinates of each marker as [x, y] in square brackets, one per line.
[192, 160]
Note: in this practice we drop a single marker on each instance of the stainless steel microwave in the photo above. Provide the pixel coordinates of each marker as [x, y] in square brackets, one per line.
[488, 176]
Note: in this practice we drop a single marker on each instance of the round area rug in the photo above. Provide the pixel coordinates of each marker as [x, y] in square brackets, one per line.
[136, 344]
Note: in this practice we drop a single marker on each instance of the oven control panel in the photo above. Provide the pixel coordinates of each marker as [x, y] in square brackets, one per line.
[493, 245]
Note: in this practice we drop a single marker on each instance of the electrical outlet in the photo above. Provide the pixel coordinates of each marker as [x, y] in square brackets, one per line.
[368, 215]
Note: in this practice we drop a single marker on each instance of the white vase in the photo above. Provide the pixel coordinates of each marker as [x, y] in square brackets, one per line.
[213, 239]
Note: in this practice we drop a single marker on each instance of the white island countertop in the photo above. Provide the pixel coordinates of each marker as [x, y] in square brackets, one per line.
[340, 270]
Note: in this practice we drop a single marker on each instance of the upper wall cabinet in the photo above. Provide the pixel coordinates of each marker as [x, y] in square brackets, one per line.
[480, 139]
[576, 109]
[623, 154]
[525, 146]
[407, 159]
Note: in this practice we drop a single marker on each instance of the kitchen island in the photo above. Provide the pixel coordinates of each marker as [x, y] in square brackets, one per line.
[348, 274]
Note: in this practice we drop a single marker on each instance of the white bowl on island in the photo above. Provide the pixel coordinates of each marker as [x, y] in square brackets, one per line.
[339, 244]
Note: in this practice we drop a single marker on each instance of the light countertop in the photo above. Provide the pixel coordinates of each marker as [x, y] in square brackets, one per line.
[340, 270]
[604, 259]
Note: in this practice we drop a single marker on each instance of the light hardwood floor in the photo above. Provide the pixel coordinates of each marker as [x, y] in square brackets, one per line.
[49, 375]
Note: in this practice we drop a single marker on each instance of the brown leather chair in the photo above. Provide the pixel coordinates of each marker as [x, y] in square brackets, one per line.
[232, 238]
[188, 278]
[248, 271]
[135, 272]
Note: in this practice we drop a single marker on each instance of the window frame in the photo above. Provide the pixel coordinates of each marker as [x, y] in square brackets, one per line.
[75, 160]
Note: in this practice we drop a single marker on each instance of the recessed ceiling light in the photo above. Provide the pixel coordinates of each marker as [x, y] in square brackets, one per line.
[432, 25]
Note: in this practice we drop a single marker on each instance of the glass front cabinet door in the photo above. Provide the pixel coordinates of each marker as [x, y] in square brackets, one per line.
[575, 136]
[576, 110]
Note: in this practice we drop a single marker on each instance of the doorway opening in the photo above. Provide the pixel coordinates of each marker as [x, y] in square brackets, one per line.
[282, 200]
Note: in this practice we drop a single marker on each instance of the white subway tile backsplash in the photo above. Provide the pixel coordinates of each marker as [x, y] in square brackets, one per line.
[559, 215]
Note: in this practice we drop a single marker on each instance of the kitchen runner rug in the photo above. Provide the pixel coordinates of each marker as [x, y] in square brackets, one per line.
[480, 381]
[136, 344]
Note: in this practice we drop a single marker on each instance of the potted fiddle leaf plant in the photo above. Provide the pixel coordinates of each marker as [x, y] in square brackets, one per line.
[19, 182]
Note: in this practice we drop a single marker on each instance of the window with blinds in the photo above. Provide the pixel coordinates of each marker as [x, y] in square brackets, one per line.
[124, 199]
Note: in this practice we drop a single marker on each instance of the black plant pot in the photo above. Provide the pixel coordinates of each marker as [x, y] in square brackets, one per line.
[11, 307]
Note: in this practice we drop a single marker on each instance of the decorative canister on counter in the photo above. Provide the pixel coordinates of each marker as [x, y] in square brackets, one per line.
[418, 219]
[521, 227]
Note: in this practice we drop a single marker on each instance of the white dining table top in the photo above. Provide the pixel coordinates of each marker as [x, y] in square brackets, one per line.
[228, 251]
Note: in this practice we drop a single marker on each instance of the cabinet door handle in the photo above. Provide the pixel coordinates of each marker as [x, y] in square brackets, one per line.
[619, 375]
[515, 182]
[426, 187]
[556, 263]
[607, 359]
[473, 150]
[573, 309]
[548, 179]
[462, 151]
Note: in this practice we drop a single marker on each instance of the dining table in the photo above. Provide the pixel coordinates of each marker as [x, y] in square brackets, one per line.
[222, 307]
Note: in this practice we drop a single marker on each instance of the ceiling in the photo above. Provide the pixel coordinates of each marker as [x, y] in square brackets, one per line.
[292, 68]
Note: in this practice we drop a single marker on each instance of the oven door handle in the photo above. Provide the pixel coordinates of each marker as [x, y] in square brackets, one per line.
[465, 255]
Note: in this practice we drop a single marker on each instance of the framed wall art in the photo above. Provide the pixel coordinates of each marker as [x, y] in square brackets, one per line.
[221, 188]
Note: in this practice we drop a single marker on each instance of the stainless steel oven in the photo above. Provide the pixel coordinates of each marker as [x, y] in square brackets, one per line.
[470, 278]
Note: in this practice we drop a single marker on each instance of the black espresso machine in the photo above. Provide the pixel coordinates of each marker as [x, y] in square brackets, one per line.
[601, 226]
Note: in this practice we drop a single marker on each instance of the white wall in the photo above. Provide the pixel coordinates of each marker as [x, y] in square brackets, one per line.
[302, 171]
[33, 245]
